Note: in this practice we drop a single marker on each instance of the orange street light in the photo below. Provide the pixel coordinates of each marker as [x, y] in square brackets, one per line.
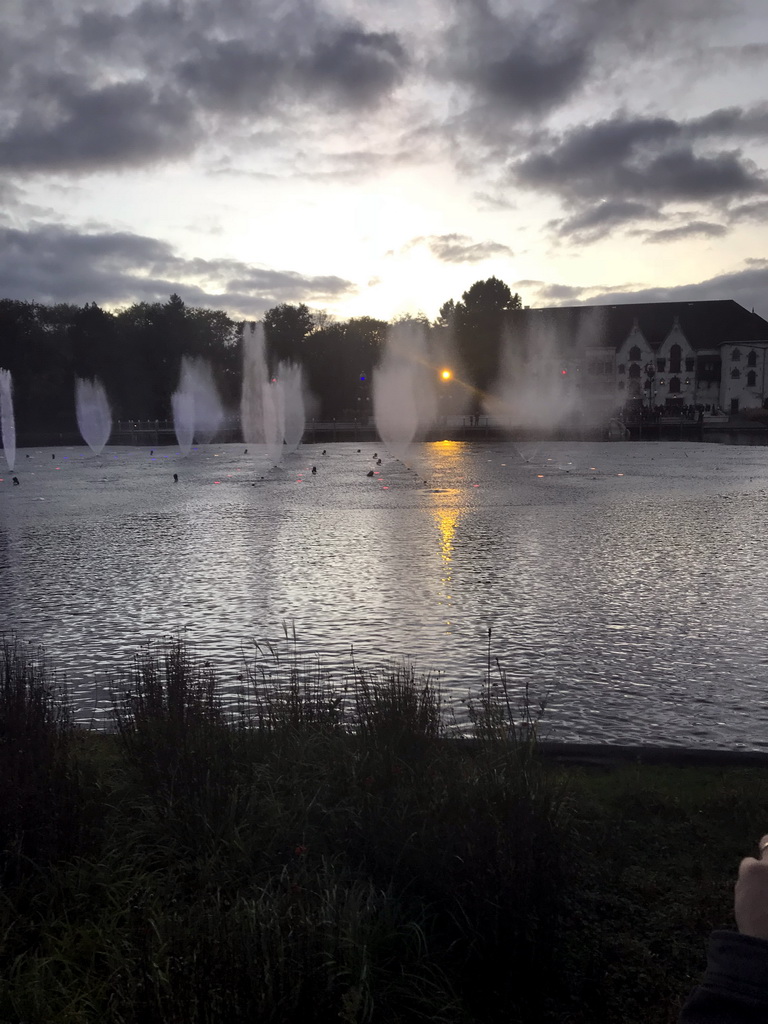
[446, 374]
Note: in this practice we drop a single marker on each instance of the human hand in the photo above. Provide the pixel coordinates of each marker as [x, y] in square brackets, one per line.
[751, 894]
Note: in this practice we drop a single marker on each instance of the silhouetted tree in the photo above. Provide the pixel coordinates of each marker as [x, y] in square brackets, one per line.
[447, 314]
[478, 325]
[285, 329]
[339, 361]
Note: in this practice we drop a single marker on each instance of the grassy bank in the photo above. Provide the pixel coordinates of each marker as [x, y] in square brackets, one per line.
[326, 856]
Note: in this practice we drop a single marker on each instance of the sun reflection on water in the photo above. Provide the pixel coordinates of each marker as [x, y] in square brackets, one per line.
[446, 520]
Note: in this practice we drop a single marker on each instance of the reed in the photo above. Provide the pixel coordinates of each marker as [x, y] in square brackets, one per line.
[333, 848]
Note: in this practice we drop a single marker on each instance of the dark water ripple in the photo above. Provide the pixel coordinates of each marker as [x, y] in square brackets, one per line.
[625, 582]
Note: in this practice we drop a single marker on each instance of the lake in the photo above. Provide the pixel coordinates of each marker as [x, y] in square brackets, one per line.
[624, 582]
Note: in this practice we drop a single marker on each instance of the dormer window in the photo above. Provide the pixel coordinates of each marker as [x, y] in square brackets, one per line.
[736, 356]
[634, 354]
[752, 358]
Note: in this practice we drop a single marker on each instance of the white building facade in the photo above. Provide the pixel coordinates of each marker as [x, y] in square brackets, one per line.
[710, 355]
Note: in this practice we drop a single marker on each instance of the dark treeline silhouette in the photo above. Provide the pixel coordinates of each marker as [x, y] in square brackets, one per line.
[136, 352]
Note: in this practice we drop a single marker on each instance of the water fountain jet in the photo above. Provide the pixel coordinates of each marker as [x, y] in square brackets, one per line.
[7, 422]
[94, 416]
[197, 408]
[271, 410]
[404, 399]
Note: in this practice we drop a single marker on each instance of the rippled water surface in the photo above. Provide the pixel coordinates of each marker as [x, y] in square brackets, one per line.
[624, 582]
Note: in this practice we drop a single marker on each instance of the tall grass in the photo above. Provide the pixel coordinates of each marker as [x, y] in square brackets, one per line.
[39, 786]
[330, 849]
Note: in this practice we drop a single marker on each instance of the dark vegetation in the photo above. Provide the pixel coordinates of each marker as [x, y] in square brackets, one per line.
[321, 853]
[137, 352]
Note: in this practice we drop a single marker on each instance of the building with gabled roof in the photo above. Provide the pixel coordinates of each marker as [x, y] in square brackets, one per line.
[671, 354]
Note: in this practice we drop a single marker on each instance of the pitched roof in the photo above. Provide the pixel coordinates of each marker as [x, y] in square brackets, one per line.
[705, 324]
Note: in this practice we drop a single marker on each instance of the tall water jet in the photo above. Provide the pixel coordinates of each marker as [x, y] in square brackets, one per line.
[94, 416]
[271, 410]
[197, 409]
[404, 396]
[254, 383]
[197, 380]
[289, 377]
[7, 422]
[540, 384]
[183, 406]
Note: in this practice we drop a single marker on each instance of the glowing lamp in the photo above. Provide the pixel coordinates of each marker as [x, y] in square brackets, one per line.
[563, 372]
[446, 374]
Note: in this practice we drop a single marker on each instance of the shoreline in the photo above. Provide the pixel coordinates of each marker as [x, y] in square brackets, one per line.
[608, 754]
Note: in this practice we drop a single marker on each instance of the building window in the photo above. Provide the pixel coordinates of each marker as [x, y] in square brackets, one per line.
[689, 365]
[708, 369]
[675, 358]
[634, 353]
[752, 358]
[735, 374]
[598, 368]
[622, 368]
[736, 356]
[751, 379]
[660, 364]
[634, 370]
[674, 386]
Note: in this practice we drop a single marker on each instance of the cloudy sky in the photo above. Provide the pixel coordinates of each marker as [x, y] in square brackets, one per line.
[370, 157]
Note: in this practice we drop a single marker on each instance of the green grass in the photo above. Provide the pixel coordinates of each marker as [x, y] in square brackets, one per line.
[334, 851]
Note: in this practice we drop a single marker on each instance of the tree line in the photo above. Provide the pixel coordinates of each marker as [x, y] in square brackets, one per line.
[136, 352]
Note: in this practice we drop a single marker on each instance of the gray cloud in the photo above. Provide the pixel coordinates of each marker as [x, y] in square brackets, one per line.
[626, 169]
[232, 76]
[559, 292]
[757, 212]
[696, 228]
[48, 263]
[356, 68]
[488, 201]
[456, 248]
[597, 221]
[530, 76]
[518, 62]
[653, 156]
[84, 128]
[108, 88]
[748, 287]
